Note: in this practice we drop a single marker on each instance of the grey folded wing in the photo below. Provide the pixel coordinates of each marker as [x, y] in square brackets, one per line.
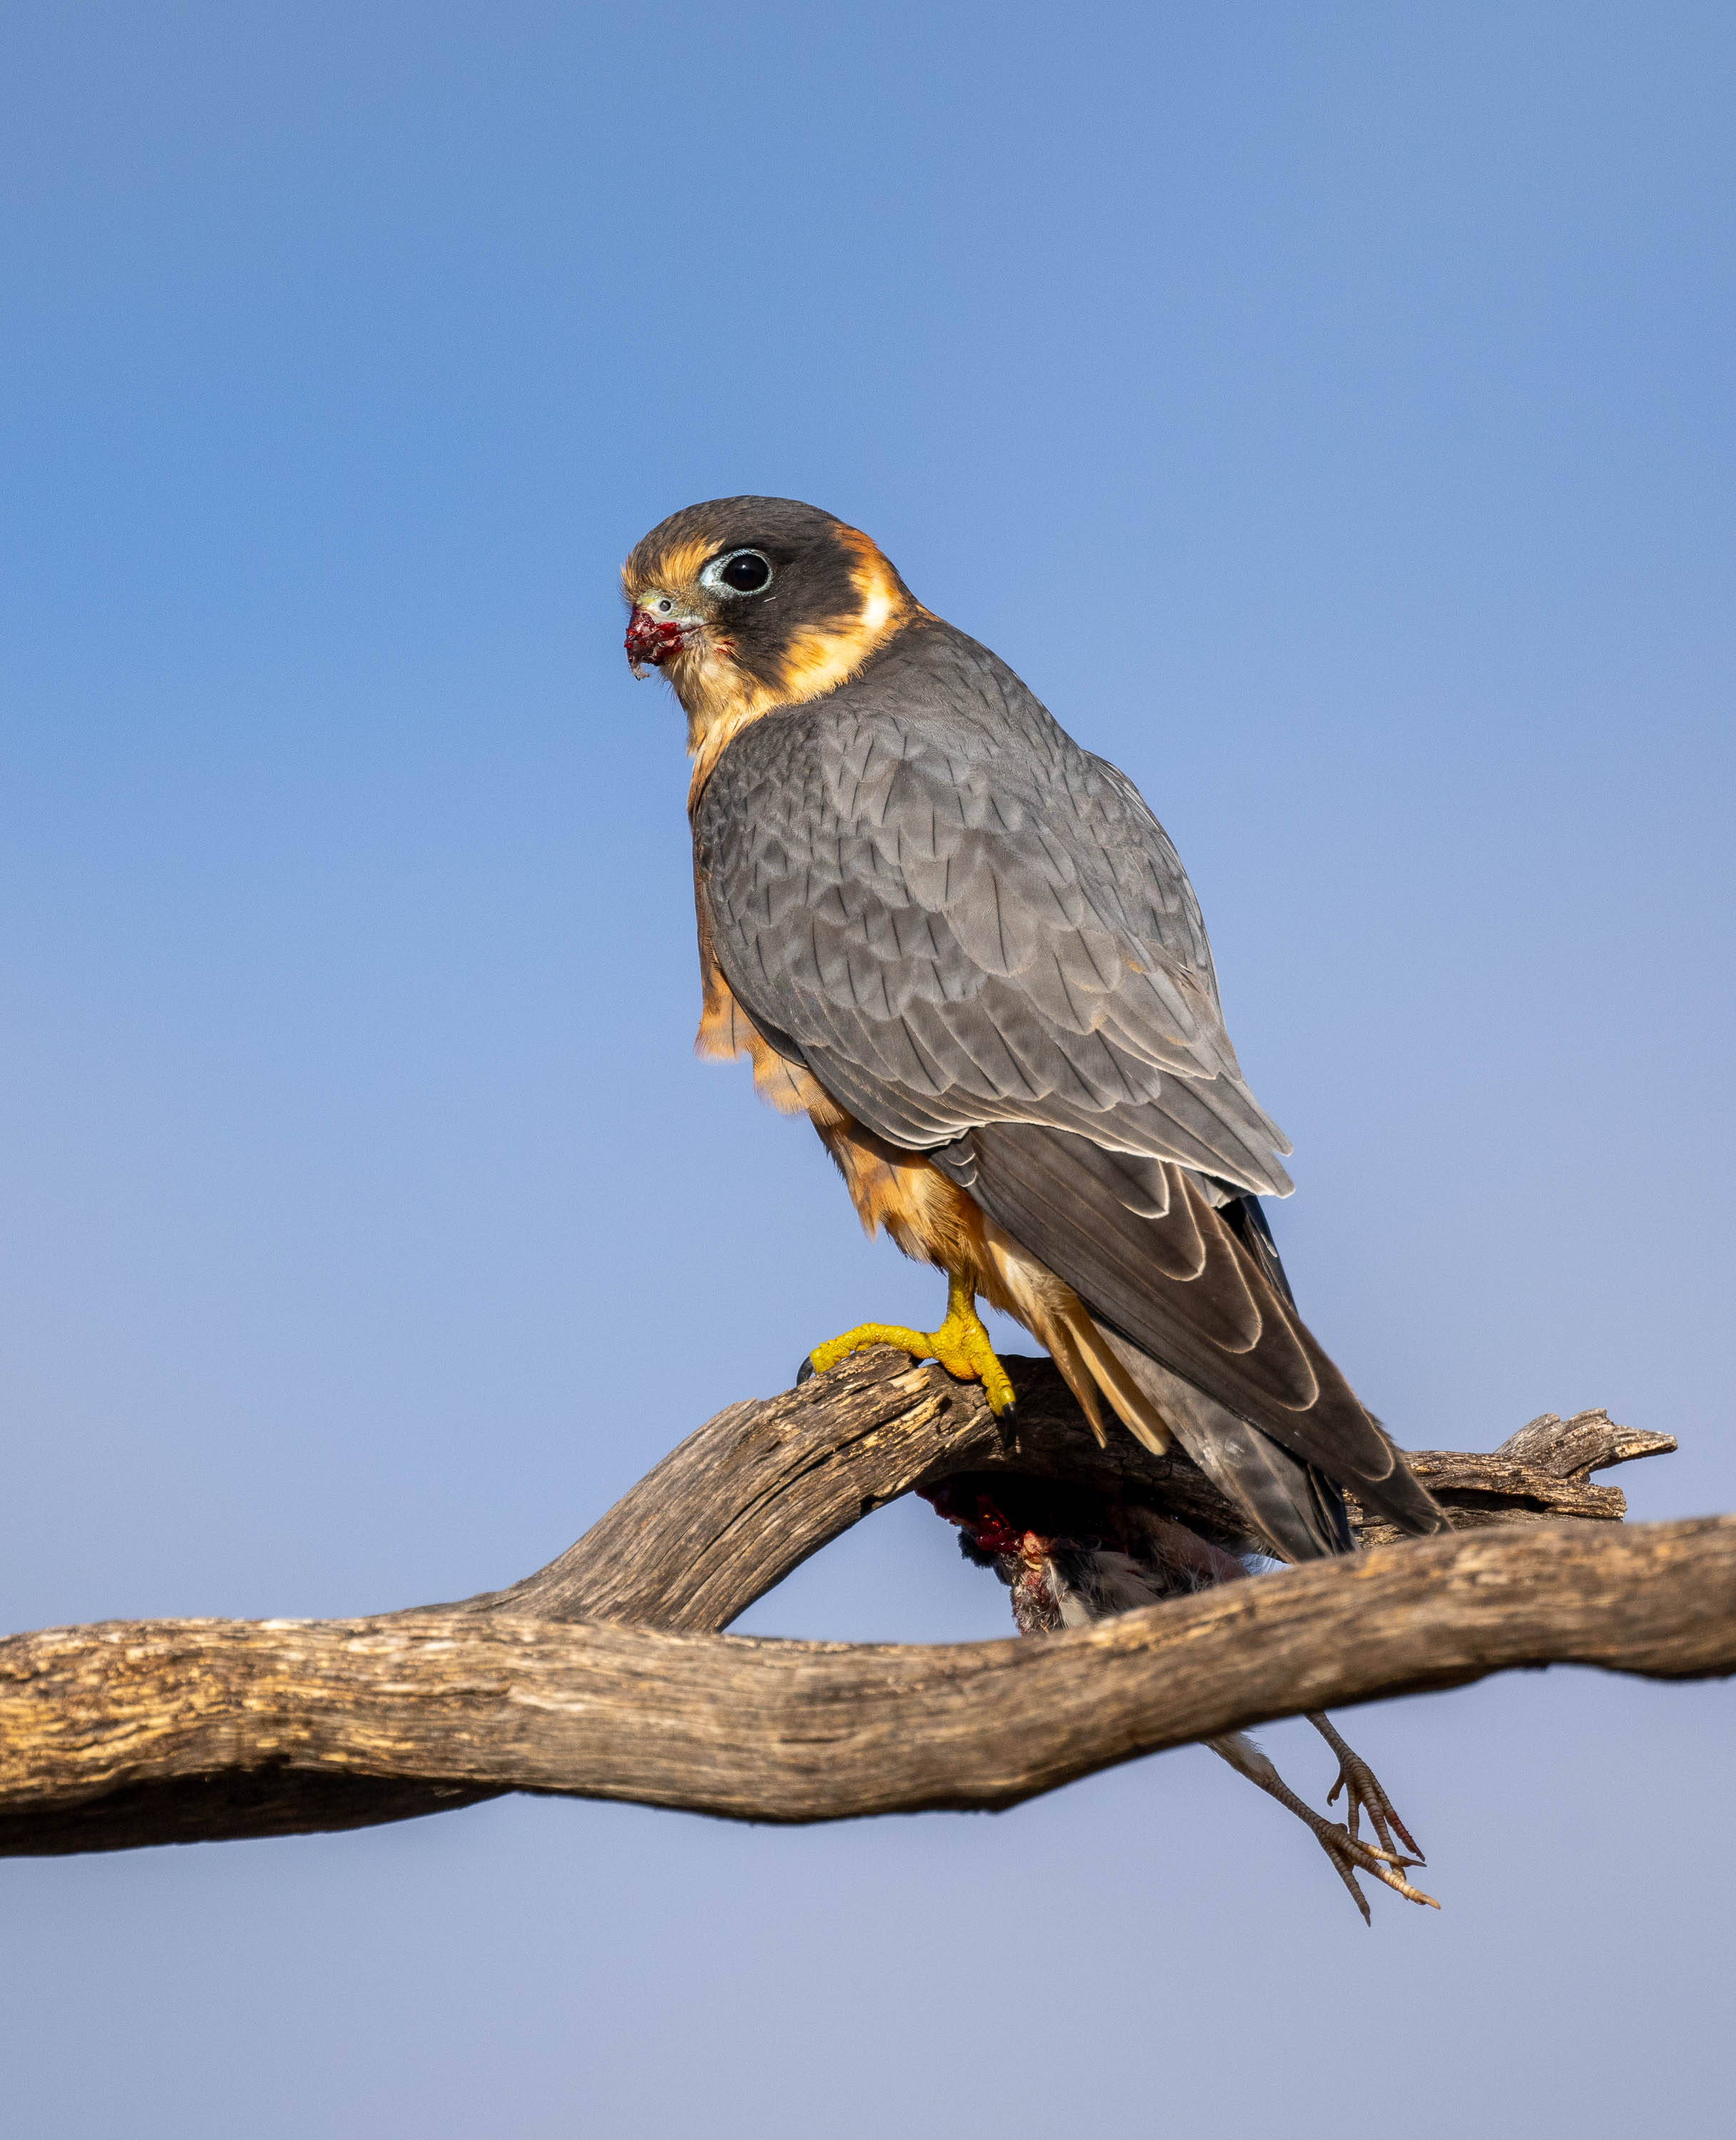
[1197, 1288]
[955, 915]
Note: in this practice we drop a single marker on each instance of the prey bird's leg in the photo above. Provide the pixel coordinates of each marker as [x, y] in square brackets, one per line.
[1362, 1787]
[1349, 1854]
[961, 1344]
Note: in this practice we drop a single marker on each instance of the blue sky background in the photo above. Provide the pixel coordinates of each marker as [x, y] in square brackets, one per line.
[1328, 410]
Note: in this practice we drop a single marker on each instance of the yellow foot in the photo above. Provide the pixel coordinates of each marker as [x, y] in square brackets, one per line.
[961, 1345]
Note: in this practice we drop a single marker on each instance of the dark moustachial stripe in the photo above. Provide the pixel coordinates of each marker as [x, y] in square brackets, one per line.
[813, 562]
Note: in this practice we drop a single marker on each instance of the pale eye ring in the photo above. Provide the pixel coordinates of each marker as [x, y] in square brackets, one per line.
[738, 573]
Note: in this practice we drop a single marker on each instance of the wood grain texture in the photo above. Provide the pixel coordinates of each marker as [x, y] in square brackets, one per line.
[1541, 1472]
[137, 1732]
[752, 1494]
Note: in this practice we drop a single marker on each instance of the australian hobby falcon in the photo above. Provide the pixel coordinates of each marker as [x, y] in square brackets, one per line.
[966, 949]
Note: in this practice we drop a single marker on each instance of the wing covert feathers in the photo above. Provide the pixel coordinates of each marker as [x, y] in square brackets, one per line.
[957, 915]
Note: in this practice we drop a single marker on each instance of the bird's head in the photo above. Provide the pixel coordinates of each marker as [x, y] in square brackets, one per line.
[749, 603]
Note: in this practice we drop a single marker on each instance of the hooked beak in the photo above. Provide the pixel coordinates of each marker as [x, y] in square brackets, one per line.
[651, 641]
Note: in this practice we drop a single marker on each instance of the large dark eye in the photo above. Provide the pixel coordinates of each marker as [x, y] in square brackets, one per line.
[743, 572]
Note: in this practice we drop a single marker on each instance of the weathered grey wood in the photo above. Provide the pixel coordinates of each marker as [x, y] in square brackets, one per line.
[1541, 1472]
[145, 1732]
[752, 1494]
[1575, 1448]
[804, 1731]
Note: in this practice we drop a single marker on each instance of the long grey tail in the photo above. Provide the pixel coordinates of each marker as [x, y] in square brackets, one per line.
[1289, 1503]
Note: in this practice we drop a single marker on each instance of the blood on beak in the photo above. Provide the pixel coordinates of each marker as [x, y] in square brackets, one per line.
[650, 641]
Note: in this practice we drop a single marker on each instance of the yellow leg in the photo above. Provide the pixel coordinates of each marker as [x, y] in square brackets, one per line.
[961, 1345]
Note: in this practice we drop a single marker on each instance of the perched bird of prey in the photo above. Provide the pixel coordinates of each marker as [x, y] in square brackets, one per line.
[965, 947]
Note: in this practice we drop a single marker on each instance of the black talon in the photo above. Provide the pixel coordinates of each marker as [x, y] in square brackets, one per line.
[805, 1371]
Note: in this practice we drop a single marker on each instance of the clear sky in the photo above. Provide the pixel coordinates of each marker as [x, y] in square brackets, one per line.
[1327, 409]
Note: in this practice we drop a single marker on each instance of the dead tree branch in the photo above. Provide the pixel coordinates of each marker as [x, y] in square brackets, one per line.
[606, 1675]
